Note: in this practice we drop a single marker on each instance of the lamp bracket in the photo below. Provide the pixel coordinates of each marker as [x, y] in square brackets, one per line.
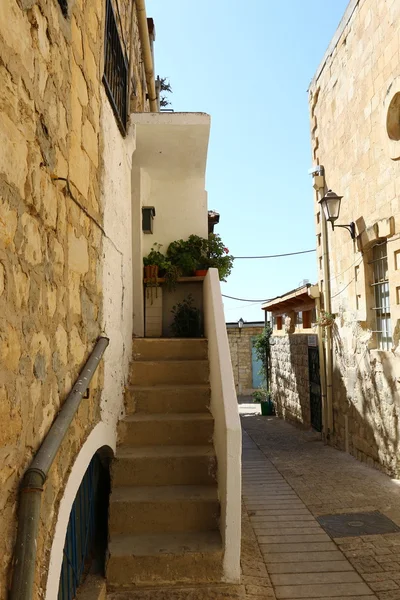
[351, 228]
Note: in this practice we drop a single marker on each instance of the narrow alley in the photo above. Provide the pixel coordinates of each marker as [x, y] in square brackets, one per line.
[290, 479]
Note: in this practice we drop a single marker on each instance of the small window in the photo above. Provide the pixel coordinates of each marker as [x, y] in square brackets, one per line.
[279, 322]
[115, 75]
[380, 287]
[307, 314]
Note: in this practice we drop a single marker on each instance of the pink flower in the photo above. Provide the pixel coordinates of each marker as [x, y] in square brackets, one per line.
[226, 250]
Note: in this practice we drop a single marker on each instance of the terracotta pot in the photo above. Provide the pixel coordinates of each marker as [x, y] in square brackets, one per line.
[201, 272]
[151, 272]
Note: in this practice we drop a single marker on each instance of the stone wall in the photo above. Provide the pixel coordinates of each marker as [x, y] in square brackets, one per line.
[350, 101]
[51, 241]
[240, 344]
[289, 378]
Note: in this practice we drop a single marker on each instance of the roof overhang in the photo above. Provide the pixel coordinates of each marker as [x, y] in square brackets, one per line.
[176, 143]
[298, 298]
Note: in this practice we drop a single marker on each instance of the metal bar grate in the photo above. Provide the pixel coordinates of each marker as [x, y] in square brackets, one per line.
[380, 285]
[115, 77]
[80, 536]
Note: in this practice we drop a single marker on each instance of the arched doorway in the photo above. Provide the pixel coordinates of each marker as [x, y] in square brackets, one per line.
[86, 537]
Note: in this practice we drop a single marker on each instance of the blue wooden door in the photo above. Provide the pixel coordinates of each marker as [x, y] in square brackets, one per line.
[256, 364]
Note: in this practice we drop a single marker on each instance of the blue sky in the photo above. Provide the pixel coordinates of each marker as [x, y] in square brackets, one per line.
[249, 64]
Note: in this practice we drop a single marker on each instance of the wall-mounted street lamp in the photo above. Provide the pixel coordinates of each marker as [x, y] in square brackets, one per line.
[331, 206]
[240, 323]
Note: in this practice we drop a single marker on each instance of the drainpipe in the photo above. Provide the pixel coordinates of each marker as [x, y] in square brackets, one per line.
[147, 54]
[24, 560]
[314, 293]
[319, 186]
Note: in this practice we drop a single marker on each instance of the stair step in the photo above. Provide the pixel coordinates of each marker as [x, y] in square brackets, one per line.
[162, 559]
[142, 429]
[156, 372]
[152, 509]
[170, 349]
[164, 465]
[167, 398]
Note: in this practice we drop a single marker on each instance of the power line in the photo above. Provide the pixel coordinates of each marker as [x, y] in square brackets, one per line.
[277, 255]
[245, 299]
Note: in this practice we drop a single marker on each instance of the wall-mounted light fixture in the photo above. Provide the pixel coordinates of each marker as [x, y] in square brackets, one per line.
[148, 214]
[331, 206]
[240, 323]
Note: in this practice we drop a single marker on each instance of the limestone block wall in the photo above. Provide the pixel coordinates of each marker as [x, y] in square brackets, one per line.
[290, 378]
[52, 242]
[350, 98]
[240, 345]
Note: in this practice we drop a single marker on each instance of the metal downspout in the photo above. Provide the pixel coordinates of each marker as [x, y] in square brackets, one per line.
[24, 561]
[147, 54]
[319, 185]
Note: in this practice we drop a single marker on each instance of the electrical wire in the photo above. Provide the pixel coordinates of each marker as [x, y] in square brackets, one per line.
[277, 255]
[244, 299]
[345, 288]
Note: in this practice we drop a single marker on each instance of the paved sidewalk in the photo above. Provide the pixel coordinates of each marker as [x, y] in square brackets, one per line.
[289, 478]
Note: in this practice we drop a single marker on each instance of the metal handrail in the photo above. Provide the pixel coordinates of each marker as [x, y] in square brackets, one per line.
[35, 476]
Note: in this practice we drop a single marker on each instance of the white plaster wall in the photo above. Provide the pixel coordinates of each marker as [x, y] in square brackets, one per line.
[117, 260]
[117, 317]
[168, 173]
[227, 429]
[181, 209]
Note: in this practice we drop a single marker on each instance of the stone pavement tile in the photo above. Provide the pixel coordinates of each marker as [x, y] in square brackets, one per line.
[286, 529]
[304, 517]
[306, 547]
[382, 586]
[281, 538]
[391, 595]
[307, 578]
[311, 567]
[302, 557]
[341, 590]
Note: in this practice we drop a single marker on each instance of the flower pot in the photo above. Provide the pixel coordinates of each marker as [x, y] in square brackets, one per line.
[267, 408]
[200, 272]
[151, 272]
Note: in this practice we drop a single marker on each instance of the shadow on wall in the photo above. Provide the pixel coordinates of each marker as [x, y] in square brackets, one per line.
[290, 379]
[366, 419]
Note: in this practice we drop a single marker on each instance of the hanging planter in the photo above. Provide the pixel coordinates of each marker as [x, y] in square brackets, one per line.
[326, 319]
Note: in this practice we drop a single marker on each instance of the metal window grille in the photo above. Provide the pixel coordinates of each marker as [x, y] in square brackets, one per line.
[380, 286]
[80, 536]
[115, 77]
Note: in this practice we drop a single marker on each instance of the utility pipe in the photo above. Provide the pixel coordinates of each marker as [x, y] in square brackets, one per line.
[319, 186]
[24, 561]
[314, 293]
[147, 54]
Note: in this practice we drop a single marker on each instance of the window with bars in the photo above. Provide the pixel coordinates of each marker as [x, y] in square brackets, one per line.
[115, 77]
[380, 287]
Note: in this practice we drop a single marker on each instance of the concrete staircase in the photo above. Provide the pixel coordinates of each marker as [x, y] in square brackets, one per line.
[164, 508]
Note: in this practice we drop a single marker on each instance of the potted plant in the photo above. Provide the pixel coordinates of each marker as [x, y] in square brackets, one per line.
[187, 320]
[263, 397]
[219, 257]
[326, 319]
[154, 264]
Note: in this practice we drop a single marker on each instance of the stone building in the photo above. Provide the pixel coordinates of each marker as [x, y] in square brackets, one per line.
[294, 358]
[245, 366]
[355, 115]
[62, 139]
[80, 139]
